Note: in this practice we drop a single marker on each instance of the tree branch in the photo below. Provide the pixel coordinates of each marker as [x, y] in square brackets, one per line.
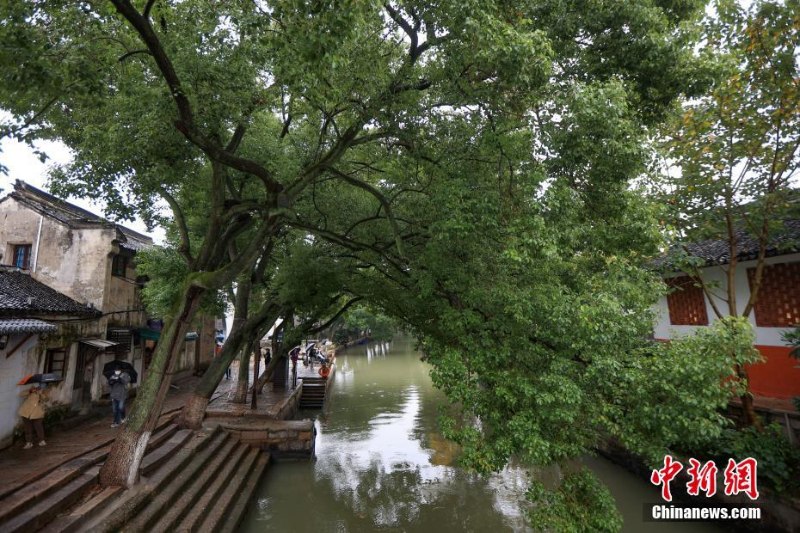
[185, 123]
[185, 248]
[123, 57]
[381, 198]
[147, 8]
[335, 317]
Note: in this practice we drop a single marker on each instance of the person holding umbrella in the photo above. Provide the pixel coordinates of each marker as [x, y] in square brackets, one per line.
[118, 381]
[32, 413]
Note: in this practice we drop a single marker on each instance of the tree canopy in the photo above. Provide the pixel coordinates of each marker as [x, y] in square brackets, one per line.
[463, 167]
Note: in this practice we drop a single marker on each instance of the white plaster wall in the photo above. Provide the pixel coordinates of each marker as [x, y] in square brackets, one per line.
[75, 262]
[61, 392]
[764, 336]
[12, 369]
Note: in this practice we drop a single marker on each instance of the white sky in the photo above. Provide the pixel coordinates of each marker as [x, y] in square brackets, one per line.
[24, 165]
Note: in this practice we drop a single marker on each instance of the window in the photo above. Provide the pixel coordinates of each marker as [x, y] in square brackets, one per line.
[55, 361]
[778, 303]
[119, 265]
[22, 256]
[123, 337]
[686, 302]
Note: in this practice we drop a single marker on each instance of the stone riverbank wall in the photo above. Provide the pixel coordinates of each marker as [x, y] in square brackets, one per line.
[281, 438]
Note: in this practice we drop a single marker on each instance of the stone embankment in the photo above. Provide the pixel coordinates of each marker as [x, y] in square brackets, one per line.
[281, 438]
[190, 480]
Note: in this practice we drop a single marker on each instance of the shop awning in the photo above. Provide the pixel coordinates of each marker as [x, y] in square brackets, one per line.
[100, 344]
[10, 326]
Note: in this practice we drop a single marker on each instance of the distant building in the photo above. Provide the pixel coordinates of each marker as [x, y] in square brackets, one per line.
[777, 309]
[85, 266]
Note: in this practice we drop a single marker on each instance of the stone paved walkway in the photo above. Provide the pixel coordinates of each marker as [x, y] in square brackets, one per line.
[266, 403]
[18, 466]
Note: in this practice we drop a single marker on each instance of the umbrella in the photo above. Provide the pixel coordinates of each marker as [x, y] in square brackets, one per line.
[39, 378]
[111, 366]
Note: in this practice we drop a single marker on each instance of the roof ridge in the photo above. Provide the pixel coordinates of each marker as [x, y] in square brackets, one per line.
[34, 194]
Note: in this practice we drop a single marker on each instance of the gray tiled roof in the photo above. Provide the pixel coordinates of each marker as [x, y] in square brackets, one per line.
[9, 326]
[74, 216]
[716, 251]
[22, 296]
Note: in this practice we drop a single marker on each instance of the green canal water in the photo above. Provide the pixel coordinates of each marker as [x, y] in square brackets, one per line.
[383, 466]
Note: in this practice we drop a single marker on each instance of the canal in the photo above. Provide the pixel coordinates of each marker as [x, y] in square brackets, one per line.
[383, 466]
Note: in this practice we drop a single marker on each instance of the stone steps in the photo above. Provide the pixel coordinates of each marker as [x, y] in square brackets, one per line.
[42, 499]
[189, 507]
[179, 484]
[39, 515]
[236, 513]
[97, 501]
[205, 494]
[191, 481]
[314, 391]
[236, 495]
[166, 449]
[204, 486]
[113, 517]
[30, 495]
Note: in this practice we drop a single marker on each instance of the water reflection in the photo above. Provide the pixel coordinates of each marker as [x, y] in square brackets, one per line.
[382, 465]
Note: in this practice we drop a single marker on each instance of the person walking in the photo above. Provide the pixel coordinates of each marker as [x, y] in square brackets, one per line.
[218, 353]
[32, 413]
[118, 382]
[293, 356]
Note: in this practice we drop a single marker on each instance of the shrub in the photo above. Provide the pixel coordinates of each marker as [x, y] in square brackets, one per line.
[778, 460]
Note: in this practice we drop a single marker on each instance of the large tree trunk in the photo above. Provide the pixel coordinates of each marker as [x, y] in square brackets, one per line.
[749, 415]
[122, 464]
[192, 414]
[244, 376]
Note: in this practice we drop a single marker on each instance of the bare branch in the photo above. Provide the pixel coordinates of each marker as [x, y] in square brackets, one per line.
[13, 130]
[236, 138]
[286, 125]
[706, 289]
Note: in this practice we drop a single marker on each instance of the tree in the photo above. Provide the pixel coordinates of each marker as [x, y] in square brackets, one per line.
[737, 148]
[464, 169]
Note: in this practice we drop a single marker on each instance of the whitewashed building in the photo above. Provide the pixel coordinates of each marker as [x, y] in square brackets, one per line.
[777, 309]
[48, 243]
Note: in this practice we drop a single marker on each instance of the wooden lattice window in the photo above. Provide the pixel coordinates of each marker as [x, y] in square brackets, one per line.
[778, 303]
[55, 361]
[686, 302]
